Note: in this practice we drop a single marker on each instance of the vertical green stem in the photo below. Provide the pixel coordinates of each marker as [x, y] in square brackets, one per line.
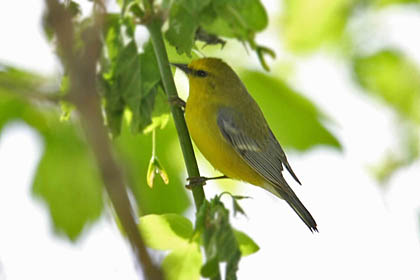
[154, 143]
[154, 27]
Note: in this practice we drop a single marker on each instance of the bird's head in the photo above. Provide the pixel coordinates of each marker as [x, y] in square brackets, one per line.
[209, 74]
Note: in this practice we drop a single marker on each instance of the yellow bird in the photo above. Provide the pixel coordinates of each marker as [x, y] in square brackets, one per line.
[230, 130]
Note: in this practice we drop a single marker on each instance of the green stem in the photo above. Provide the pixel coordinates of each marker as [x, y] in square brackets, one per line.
[154, 143]
[154, 27]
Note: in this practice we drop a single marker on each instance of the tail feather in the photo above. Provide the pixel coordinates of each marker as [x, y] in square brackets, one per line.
[283, 190]
[302, 212]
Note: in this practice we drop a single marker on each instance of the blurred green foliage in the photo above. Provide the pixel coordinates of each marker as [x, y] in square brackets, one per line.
[309, 24]
[176, 229]
[383, 3]
[397, 82]
[295, 120]
[175, 233]
[66, 179]
[184, 263]
[393, 78]
[136, 151]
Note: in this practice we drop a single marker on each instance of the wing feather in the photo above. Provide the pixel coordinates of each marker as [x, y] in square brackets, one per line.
[264, 155]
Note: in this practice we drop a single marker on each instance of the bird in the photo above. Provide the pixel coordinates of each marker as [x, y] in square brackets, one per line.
[230, 130]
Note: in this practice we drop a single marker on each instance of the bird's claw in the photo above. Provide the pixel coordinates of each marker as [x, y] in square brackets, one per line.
[201, 180]
[176, 101]
[196, 181]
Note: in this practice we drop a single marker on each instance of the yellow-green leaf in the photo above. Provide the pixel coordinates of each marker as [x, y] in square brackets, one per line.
[247, 246]
[183, 263]
[393, 78]
[166, 231]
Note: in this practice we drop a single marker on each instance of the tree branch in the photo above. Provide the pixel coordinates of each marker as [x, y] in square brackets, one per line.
[154, 27]
[83, 93]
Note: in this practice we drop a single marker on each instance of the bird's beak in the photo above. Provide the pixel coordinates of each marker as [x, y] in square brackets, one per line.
[183, 67]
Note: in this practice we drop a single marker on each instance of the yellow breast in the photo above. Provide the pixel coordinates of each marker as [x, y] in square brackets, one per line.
[201, 118]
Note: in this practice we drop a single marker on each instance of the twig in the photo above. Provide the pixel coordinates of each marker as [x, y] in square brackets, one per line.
[154, 27]
[83, 93]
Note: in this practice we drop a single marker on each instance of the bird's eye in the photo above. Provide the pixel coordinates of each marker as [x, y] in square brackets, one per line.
[201, 73]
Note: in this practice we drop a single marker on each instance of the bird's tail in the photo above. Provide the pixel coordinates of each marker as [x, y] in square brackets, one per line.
[284, 191]
[302, 212]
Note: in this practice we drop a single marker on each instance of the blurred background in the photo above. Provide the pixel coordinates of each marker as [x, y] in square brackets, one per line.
[343, 97]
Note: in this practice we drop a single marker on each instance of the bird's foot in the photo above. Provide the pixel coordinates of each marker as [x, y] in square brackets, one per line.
[201, 181]
[176, 101]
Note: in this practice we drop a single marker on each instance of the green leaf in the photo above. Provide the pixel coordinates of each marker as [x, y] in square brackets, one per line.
[113, 38]
[132, 80]
[175, 57]
[218, 238]
[114, 109]
[121, 83]
[66, 109]
[227, 18]
[150, 78]
[385, 3]
[246, 244]
[74, 9]
[14, 85]
[166, 232]
[68, 181]
[407, 151]
[128, 79]
[216, 25]
[160, 114]
[67, 178]
[16, 82]
[183, 263]
[154, 110]
[237, 208]
[294, 119]
[136, 10]
[232, 18]
[147, 103]
[149, 68]
[183, 23]
[394, 79]
[308, 24]
[235, 205]
[211, 268]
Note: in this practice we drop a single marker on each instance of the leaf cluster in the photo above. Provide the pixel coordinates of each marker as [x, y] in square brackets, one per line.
[385, 72]
[231, 19]
[175, 233]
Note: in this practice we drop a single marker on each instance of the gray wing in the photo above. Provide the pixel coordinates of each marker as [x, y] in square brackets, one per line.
[264, 157]
[282, 156]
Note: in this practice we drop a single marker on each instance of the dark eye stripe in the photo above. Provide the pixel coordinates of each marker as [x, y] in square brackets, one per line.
[201, 73]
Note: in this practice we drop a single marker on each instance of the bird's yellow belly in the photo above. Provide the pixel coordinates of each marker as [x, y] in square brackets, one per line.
[211, 143]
